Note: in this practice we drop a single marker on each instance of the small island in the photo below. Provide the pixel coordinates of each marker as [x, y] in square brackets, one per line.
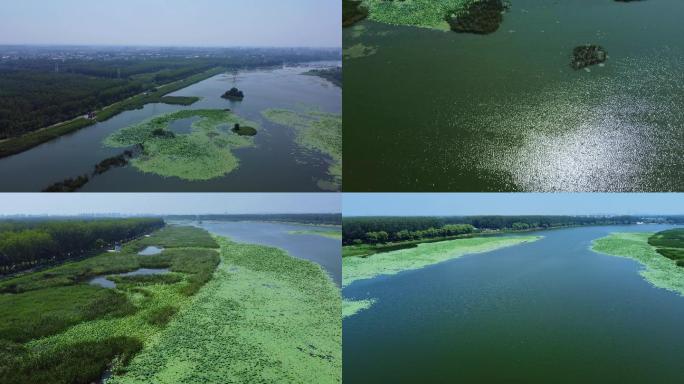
[234, 94]
[244, 131]
[587, 55]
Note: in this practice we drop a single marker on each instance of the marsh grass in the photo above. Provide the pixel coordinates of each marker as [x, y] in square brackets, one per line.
[59, 329]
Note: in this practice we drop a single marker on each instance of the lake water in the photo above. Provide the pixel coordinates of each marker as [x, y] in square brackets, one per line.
[275, 164]
[322, 250]
[106, 283]
[551, 311]
[433, 110]
[151, 250]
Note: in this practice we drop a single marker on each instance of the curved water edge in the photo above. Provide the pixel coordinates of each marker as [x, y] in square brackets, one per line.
[104, 282]
[462, 315]
[322, 250]
[270, 165]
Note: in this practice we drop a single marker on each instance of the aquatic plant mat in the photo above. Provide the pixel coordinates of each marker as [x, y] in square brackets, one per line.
[659, 270]
[265, 317]
[316, 131]
[204, 153]
[56, 328]
[417, 13]
[425, 254]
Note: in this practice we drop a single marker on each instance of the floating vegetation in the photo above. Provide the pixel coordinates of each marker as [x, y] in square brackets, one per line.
[337, 235]
[203, 154]
[352, 307]
[417, 13]
[316, 131]
[659, 271]
[481, 17]
[264, 317]
[358, 50]
[391, 263]
[587, 55]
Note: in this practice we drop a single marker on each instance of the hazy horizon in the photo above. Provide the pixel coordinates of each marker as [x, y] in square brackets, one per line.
[71, 204]
[511, 204]
[173, 23]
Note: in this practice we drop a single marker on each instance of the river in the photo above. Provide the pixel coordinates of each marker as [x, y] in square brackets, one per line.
[550, 311]
[274, 164]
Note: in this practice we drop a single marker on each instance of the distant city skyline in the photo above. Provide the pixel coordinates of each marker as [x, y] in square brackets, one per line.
[200, 23]
[469, 204]
[36, 204]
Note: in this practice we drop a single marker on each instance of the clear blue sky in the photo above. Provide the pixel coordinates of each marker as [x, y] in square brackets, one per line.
[172, 22]
[167, 203]
[459, 204]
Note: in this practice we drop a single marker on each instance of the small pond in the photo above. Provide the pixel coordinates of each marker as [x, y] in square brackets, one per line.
[151, 250]
[102, 281]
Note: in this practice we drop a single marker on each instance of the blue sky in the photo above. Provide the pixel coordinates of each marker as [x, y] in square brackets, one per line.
[458, 204]
[166, 203]
[172, 22]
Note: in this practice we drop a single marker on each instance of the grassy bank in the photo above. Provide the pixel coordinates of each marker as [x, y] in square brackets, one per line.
[424, 254]
[203, 154]
[658, 270]
[22, 143]
[264, 317]
[337, 235]
[59, 329]
[316, 131]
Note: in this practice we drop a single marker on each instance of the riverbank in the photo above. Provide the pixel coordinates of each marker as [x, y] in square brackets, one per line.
[423, 255]
[336, 235]
[265, 317]
[22, 143]
[658, 270]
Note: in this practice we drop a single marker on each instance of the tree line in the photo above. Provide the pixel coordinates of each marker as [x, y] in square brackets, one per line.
[27, 243]
[371, 230]
[304, 218]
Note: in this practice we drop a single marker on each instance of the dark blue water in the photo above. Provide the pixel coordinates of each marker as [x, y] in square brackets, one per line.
[551, 311]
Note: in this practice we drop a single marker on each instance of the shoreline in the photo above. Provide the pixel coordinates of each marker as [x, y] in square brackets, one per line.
[280, 314]
[32, 139]
[657, 270]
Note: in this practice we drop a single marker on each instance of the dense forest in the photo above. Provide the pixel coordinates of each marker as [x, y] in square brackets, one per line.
[39, 90]
[372, 230]
[27, 243]
[304, 218]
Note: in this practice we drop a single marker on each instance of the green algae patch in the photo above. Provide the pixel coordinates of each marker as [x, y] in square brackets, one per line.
[315, 131]
[358, 50]
[352, 307]
[417, 13]
[204, 153]
[391, 263]
[659, 270]
[264, 317]
[337, 235]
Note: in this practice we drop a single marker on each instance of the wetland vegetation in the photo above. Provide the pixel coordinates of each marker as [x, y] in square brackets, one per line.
[202, 154]
[660, 253]
[315, 131]
[60, 329]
